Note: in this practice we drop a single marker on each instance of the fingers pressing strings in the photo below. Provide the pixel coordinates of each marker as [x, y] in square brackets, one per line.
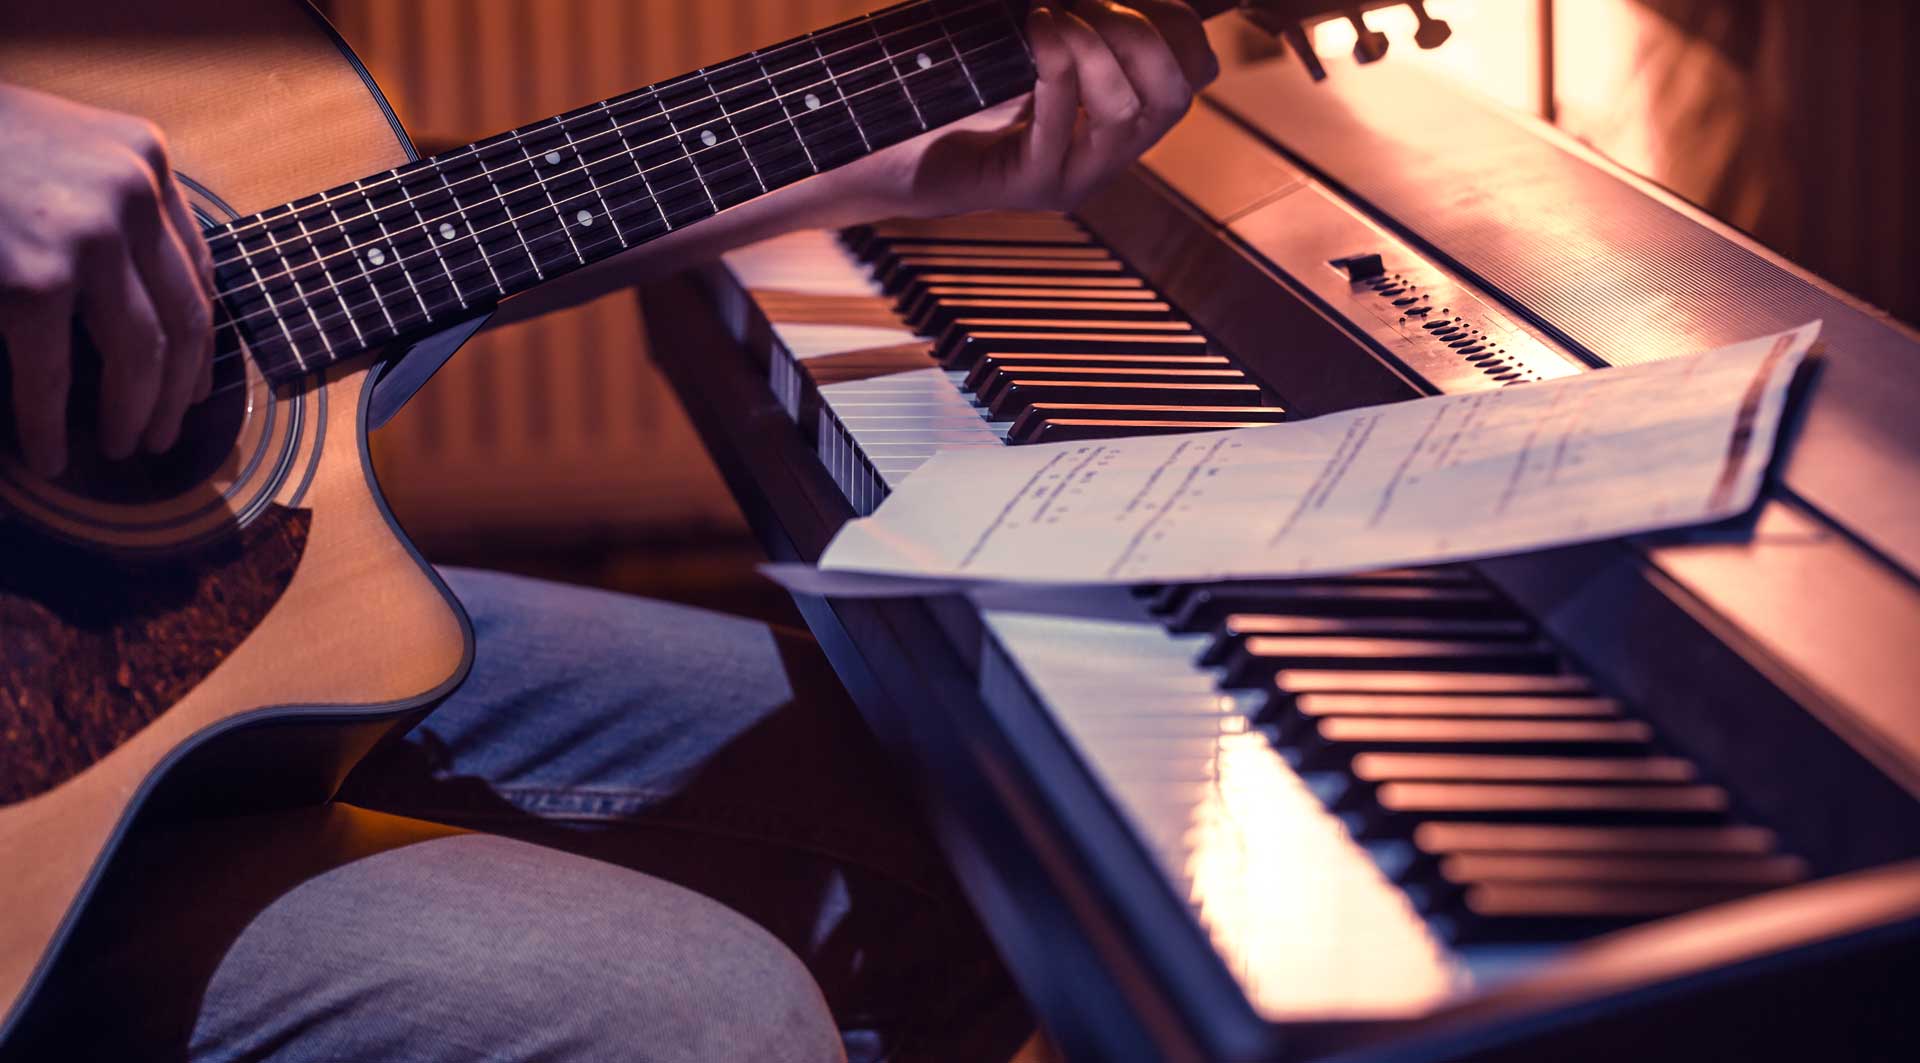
[1129, 84]
[160, 248]
[40, 352]
[1186, 34]
[1056, 107]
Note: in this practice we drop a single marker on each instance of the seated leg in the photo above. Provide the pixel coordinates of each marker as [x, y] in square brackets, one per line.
[721, 754]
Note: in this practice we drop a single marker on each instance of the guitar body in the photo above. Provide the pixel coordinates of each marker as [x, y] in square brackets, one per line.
[241, 620]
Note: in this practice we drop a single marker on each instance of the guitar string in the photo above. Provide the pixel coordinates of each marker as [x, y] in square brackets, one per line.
[500, 198]
[347, 307]
[234, 229]
[656, 199]
[549, 238]
[755, 56]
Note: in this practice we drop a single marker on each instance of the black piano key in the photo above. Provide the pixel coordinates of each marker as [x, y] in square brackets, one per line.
[1557, 911]
[1254, 661]
[1331, 742]
[1470, 869]
[1073, 429]
[977, 376]
[996, 380]
[1027, 426]
[1019, 394]
[1295, 682]
[886, 256]
[1455, 705]
[1237, 627]
[1069, 366]
[1491, 767]
[919, 292]
[965, 340]
[1174, 596]
[1436, 840]
[904, 271]
[971, 228]
[1550, 802]
[943, 313]
[917, 307]
[921, 288]
[1209, 604]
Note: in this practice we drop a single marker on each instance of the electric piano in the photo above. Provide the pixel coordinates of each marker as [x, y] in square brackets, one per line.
[1653, 797]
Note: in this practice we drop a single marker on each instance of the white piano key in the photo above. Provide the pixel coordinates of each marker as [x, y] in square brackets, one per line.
[1303, 917]
[812, 262]
[805, 340]
[1301, 914]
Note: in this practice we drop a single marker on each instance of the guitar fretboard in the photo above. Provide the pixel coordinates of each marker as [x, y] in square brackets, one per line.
[423, 247]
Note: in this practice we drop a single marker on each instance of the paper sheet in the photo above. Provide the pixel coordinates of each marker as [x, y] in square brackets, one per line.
[1602, 454]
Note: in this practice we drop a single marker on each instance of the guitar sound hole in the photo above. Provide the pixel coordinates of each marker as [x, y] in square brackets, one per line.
[207, 435]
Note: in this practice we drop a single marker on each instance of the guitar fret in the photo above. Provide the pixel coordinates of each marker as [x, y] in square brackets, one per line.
[689, 157]
[953, 46]
[660, 153]
[420, 219]
[863, 70]
[480, 245]
[930, 71]
[613, 220]
[300, 237]
[358, 259]
[300, 292]
[1013, 26]
[399, 258]
[834, 80]
[643, 164]
[541, 179]
[273, 306]
[346, 311]
[693, 112]
[736, 138]
[512, 220]
[874, 29]
[769, 138]
[626, 153]
[812, 164]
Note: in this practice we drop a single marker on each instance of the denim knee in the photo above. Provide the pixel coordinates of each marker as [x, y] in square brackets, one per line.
[475, 947]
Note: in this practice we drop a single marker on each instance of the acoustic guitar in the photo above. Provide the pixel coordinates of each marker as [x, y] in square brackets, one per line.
[234, 623]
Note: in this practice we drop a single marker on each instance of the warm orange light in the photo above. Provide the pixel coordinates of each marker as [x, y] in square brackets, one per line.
[1495, 47]
[1308, 926]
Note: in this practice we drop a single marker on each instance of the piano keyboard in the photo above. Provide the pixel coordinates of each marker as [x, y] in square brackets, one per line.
[1373, 792]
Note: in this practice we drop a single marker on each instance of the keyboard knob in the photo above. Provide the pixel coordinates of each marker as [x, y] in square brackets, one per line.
[1361, 267]
[1289, 34]
[1368, 44]
[1432, 32]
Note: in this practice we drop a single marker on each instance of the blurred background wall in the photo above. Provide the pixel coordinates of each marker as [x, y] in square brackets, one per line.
[555, 447]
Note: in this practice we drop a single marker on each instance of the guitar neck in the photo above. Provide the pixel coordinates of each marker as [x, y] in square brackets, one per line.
[426, 246]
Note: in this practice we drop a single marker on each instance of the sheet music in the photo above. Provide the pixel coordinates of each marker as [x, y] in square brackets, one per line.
[1602, 454]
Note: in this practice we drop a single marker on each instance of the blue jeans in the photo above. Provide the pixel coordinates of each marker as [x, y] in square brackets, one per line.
[677, 842]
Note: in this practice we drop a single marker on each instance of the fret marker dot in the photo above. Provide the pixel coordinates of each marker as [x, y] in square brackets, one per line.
[376, 256]
[812, 102]
[447, 231]
[924, 60]
[586, 217]
[707, 138]
[553, 158]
